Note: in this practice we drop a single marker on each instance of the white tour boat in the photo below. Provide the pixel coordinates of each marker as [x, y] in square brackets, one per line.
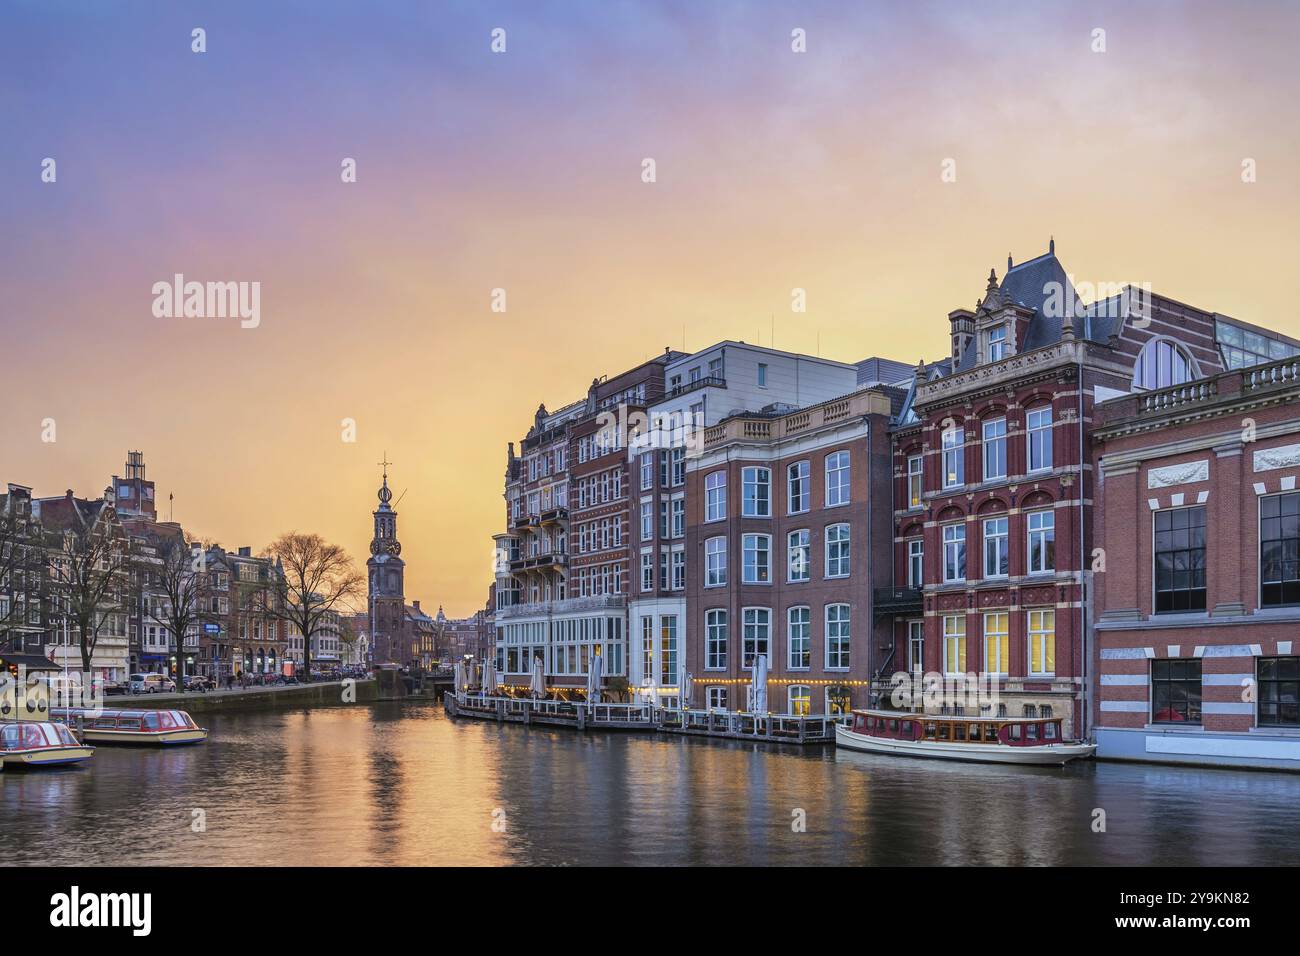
[161, 728]
[39, 743]
[1025, 740]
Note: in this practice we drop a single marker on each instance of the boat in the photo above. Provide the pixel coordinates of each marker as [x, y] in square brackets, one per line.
[160, 728]
[38, 743]
[1027, 740]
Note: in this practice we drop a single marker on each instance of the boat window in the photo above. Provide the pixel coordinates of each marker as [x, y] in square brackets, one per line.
[975, 732]
[9, 735]
[1031, 731]
[930, 730]
[893, 727]
[945, 731]
[1049, 731]
[907, 729]
[172, 718]
[1015, 731]
[991, 733]
[34, 736]
[65, 735]
[129, 723]
[959, 732]
[151, 721]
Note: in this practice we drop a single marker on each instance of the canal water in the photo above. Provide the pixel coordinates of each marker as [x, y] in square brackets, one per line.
[402, 784]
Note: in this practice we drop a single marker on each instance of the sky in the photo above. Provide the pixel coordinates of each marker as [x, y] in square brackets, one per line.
[522, 170]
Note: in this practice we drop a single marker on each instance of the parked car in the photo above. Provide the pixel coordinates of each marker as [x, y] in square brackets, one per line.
[151, 684]
[199, 683]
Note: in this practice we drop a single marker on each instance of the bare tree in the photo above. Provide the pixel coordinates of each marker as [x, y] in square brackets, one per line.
[317, 577]
[88, 568]
[180, 578]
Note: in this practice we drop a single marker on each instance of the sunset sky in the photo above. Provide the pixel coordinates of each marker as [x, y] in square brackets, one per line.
[522, 170]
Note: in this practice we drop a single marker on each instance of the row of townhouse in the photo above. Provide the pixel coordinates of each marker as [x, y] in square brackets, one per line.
[985, 513]
[235, 630]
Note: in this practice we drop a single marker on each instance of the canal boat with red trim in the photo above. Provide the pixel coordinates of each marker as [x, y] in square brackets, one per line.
[157, 728]
[40, 743]
[1025, 740]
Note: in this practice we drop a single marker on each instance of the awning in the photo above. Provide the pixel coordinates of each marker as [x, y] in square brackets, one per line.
[33, 662]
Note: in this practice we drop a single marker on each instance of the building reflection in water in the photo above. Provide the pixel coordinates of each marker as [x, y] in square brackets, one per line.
[404, 785]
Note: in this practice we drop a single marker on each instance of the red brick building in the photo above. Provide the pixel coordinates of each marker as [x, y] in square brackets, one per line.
[1197, 650]
[787, 535]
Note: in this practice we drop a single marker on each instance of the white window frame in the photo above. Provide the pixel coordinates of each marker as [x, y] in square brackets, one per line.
[839, 636]
[715, 496]
[765, 540]
[838, 478]
[843, 566]
[958, 546]
[995, 444]
[1041, 533]
[1004, 548]
[805, 639]
[759, 478]
[1038, 433]
[716, 634]
[798, 475]
[953, 450]
[715, 562]
[805, 549]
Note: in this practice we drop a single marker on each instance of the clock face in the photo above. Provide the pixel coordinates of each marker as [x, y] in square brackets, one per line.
[394, 548]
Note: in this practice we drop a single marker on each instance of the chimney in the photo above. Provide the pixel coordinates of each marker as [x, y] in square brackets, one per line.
[246, 552]
[416, 605]
[962, 329]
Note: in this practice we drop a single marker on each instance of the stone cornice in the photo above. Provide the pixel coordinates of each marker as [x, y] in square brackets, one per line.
[1018, 370]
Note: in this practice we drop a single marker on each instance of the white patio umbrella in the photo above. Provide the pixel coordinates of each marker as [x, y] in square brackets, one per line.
[489, 676]
[760, 684]
[538, 685]
[594, 676]
[460, 677]
[684, 686]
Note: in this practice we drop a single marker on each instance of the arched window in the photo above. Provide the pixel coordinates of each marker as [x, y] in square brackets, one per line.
[1162, 363]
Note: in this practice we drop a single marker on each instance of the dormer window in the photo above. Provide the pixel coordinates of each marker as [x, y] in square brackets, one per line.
[998, 344]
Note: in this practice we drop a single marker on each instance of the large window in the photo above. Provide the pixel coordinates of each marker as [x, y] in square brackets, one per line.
[1042, 642]
[1279, 550]
[1176, 691]
[715, 640]
[995, 547]
[914, 488]
[995, 449]
[1041, 527]
[837, 551]
[800, 638]
[757, 634]
[954, 552]
[715, 562]
[800, 556]
[1038, 437]
[997, 643]
[915, 563]
[837, 479]
[756, 498]
[1279, 691]
[647, 520]
[800, 487]
[954, 467]
[715, 496]
[954, 644]
[756, 559]
[800, 699]
[916, 646]
[668, 650]
[837, 636]
[716, 698]
[647, 470]
[1162, 363]
[998, 343]
[1180, 559]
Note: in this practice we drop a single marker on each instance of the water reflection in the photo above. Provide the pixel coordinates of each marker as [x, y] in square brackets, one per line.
[403, 785]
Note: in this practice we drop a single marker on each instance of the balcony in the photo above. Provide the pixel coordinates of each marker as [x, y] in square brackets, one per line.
[540, 562]
[708, 381]
[567, 606]
[896, 600]
[554, 516]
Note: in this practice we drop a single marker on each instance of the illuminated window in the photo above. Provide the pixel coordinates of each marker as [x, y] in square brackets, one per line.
[954, 644]
[1042, 642]
[996, 643]
[800, 700]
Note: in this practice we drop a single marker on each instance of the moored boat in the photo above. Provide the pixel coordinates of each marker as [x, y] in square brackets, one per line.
[984, 739]
[38, 743]
[160, 728]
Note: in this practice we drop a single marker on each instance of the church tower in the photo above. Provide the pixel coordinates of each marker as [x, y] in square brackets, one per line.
[387, 570]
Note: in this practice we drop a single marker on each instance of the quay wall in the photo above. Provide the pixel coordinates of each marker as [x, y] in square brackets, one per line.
[255, 698]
